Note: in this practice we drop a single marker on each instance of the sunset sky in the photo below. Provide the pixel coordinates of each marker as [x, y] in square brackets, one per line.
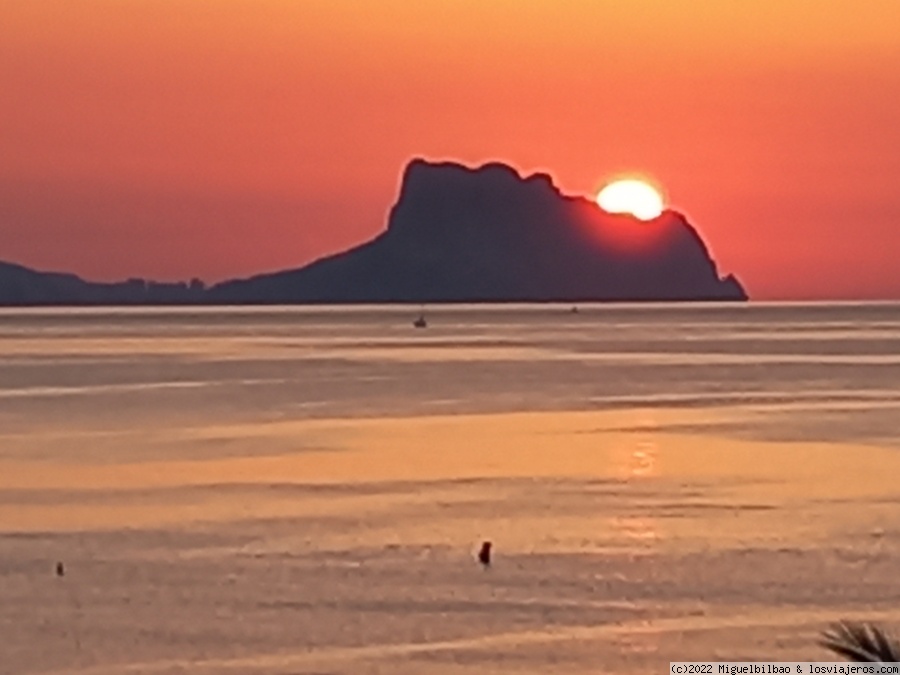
[217, 138]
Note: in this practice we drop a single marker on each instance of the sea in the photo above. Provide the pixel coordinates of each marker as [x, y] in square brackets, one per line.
[304, 489]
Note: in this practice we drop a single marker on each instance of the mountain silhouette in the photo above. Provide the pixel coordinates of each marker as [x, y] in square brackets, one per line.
[22, 286]
[456, 234]
[489, 235]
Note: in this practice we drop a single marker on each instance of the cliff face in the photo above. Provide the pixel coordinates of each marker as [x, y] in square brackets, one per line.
[454, 235]
[487, 234]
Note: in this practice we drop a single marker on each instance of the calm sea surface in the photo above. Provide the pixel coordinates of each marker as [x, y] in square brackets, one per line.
[799, 371]
[280, 491]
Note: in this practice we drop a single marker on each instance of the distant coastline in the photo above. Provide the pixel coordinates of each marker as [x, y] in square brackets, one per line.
[455, 235]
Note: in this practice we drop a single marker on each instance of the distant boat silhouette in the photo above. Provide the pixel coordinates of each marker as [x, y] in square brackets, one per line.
[484, 555]
[420, 322]
[60, 569]
[574, 310]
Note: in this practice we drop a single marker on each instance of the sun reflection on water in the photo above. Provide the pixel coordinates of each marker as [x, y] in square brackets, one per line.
[635, 462]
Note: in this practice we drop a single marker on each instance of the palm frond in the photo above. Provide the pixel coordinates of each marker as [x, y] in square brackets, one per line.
[861, 642]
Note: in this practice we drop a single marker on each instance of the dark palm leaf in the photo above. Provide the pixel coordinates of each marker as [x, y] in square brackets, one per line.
[860, 642]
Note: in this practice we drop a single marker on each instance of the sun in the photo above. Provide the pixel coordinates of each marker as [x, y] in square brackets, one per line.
[631, 195]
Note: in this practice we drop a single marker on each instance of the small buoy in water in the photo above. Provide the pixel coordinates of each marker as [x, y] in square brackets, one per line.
[60, 569]
[484, 555]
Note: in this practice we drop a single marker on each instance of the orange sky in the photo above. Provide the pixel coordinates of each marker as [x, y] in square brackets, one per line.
[213, 138]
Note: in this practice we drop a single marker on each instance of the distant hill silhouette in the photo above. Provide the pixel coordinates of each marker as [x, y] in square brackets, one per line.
[22, 286]
[455, 235]
[487, 234]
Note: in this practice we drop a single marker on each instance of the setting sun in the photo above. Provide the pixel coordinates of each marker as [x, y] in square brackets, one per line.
[632, 196]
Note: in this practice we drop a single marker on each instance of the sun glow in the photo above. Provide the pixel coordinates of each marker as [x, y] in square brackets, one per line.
[633, 196]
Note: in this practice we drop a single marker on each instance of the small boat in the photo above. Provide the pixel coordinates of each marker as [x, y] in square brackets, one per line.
[420, 322]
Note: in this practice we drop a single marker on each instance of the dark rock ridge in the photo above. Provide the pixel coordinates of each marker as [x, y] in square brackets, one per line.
[22, 286]
[455, 235]
[488, 235]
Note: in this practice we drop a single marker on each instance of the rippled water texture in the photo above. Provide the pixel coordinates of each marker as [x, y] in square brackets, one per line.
[286, 490]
